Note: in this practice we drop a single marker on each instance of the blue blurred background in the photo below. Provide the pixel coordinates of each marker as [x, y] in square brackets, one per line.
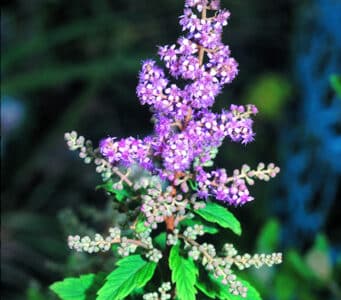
[73, 65]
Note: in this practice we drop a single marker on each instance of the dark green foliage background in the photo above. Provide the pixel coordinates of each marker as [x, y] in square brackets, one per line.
[73, 65]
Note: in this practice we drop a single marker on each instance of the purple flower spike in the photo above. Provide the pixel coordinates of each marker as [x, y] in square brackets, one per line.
[187, 133]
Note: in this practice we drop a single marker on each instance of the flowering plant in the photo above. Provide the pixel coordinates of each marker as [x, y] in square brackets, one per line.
[179, 198]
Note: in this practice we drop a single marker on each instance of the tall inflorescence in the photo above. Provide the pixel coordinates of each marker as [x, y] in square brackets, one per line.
[180, 151]
[187, 133]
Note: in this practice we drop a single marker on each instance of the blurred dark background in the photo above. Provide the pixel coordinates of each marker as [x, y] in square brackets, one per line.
[73, 65]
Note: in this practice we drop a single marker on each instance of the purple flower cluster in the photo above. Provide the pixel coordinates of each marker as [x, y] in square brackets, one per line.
[126, 151]
[215, 183]
[186, 131]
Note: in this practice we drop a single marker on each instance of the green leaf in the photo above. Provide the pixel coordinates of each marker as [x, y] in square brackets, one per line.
[34, 292]
[285, 285]
[192, 222]
[132, 272]
[139, 226]
[193, 185]
[318, 259]
[184, 273]
[160, 240]
[73, 288]
[335, 81]
[269, 237]
[98, 282]
[120, 195]
[321, 243]
[207, 289]
[299, 265]
[207, 286]
[218, 214]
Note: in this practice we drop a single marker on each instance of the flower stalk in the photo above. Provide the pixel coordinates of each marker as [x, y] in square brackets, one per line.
[179, 191]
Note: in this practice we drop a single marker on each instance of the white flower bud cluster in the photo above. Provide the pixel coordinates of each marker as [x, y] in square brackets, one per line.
[154, 255]
[151, 296]
[196, 203]
[257, 260]
[104, 168]
[261, 173]
[125, 247]
[145, 238]
[199, 205]
[164, 290]
[221, 266]
[76, 142]
[194, 253]
[229, 250]
[157, 205]
[89, 154]
[204, 251]
[246, 260]
[172, 238]
[193, 232]
[146, 182]
[237, 288]
[99, 243]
